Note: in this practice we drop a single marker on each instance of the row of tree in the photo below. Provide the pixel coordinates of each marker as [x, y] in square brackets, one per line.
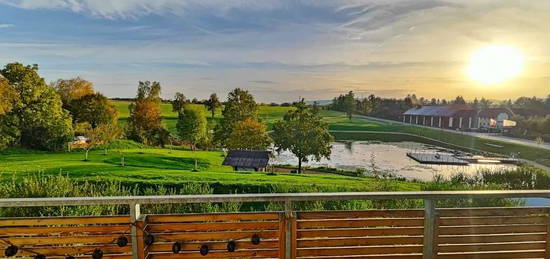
[392, 108]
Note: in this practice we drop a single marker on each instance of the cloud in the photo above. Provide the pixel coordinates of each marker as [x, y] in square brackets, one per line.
[269, 82]
[6, 25]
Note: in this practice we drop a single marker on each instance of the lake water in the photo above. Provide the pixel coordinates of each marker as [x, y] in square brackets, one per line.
[388, 158]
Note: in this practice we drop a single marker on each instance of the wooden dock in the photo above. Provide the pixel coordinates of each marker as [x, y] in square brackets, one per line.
[437, 159]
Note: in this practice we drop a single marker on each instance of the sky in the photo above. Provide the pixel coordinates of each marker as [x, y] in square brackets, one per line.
[280, 50]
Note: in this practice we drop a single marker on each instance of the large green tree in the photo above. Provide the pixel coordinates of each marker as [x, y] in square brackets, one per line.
[213, 103]
[192, 125]
[303, 132]
[94, 109]
[240, 105]
[145, 121]
[249, 134]
[36, 113]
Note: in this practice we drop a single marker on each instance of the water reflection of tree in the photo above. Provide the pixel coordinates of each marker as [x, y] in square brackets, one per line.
[348, 145]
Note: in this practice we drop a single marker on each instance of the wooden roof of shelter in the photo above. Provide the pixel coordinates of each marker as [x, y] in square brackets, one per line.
[247, 158]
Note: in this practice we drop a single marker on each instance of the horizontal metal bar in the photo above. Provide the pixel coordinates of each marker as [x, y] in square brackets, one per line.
[278, 197]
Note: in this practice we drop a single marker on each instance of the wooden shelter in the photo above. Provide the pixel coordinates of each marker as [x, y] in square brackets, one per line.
[247, 160]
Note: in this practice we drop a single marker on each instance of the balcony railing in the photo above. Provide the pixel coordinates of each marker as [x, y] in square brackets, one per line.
[519, 232]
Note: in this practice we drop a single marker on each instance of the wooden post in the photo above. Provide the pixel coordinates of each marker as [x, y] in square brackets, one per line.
[282, 235]
[430, 246]
[134, 216]
[289, 233]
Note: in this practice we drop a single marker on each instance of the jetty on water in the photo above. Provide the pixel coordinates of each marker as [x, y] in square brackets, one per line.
[451, 159]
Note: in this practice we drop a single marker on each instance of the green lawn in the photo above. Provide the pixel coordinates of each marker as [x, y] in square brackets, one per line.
[146, 166]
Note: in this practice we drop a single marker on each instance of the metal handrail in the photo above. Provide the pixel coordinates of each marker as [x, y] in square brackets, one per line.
[265, 197]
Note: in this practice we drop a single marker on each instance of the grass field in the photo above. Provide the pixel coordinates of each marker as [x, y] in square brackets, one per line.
[149, 166]
[146, 166]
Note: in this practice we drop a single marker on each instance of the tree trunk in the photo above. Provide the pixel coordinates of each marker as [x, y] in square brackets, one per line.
[213, 112]
[299, 165]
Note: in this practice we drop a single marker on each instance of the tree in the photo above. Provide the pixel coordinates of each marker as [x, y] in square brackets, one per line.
[192, 125]
[213, 103]
[36, 119]
[349, 104]
[240, 106]
[94, 109]
[303, 133]
[9, 130]
[72, 89]
[249, 134]
[8, 96]
[101, 135]
[145, 121]
[179, 102]
[459, 100]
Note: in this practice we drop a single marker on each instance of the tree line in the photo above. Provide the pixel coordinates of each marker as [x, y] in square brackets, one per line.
[532, 113]
[37, 115]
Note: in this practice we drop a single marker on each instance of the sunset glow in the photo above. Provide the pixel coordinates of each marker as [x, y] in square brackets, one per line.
[495, 64]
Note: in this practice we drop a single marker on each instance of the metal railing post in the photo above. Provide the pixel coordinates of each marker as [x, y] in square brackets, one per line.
[135, 212]
[429, 250]
[288, 233]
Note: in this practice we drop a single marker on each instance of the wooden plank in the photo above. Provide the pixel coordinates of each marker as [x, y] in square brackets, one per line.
[140, 235]
[293, 236]
[494, 255]
[361, 214]
[359, 250]
[354, 223]
[50, 221]
[103, 239]
[212, 226]
[359, 241]
[399, 256]
[205, 236]
[491, 238]
[217, 254]
[470, 212]
[212, 217]
[74, 231]
[219, 245]
[547, 248]
[282, 236]
[468, 230]
[493, 220]
[360, 232]
[74, 250]
[492, 247]
[121, 256]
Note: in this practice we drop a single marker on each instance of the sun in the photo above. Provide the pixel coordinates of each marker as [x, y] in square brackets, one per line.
[495, 64]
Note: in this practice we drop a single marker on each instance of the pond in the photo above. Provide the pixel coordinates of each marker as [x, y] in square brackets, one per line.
[388, 158]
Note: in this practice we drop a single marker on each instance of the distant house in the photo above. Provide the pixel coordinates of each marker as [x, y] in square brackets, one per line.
[460, 117]
[246, 160]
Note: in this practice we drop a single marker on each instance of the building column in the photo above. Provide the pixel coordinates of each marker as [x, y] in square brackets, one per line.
[410, 119]
[416, 119]
[423, 120]
[451, 122]
[469, 122]
[432, 121]
[460, 123]
[404, 118]
[439, 121]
